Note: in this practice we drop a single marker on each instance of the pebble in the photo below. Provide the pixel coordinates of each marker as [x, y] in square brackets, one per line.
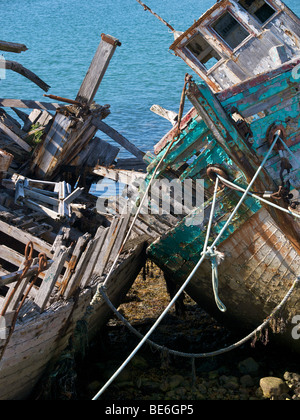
[247, 381]
[241, 375]
[212, 385]
[248, 366]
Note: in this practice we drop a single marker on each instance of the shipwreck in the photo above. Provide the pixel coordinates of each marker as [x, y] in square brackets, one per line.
[236, 253]
[55, 246]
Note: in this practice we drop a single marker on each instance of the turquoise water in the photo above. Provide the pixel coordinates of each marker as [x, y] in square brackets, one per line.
[63, 35]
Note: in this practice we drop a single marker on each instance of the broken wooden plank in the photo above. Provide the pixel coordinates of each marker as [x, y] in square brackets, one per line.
[107, 247]
[117, 137]
[15, 138]
[75, 280]
[100, 238]
[62, 143]
[123, 226]
[50, 279]
[40, 197]
[170, 135]
[10, 255]
[97, 152]
[81, 243]
[5, 160]
[25, 237]
[135, 242]
[60, 240]
[23, 71]
[168, 115]
[11, 277]
[40, 208]
[22, 115]
[12, 47]
[118, 175]
[131, 164]
[32, 119]
[11, 123]
[29, 104]
[97, 69]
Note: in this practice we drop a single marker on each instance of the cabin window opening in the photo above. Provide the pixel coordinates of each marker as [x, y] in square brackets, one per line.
[230, 30]
[203, 52]
[258, 8]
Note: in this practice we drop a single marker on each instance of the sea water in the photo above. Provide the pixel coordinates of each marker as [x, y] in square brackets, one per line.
[62, 37]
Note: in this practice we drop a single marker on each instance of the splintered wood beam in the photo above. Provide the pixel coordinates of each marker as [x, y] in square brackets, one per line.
[25, 237]
[117, 137]
[119, 175]
[15, 138]
[12, 47]
[11, 255]
[18, 68]
[5, 160]
[28, 104]
[97, 69]
[168, 115]
[11, 277]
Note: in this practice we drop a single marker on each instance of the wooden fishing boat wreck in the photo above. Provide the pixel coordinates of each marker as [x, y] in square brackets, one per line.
[56, 248]
[242, 131]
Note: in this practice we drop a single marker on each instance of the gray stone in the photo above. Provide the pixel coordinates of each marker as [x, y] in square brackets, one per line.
[248, 366]
[246, 381]
[175, 381]
[139, 362]
[229, 382]
[273, 387]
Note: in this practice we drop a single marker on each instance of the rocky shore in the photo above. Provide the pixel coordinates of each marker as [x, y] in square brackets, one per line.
[249, 373]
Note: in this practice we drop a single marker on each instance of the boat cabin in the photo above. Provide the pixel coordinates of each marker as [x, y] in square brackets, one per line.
[237, 40]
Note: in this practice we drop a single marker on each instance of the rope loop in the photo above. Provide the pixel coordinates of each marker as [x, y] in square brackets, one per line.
[43, 262]
[29, 252]
[216, 258]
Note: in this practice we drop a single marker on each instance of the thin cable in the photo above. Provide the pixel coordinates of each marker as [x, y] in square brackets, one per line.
[237, 187]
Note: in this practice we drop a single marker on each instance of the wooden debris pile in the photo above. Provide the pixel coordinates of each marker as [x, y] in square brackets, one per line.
[59, 140]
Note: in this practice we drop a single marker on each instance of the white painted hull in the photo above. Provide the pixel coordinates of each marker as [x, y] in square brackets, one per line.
[40, 340]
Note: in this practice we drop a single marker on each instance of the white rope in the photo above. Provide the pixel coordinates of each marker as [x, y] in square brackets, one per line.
[158, 321]
[214, 256]
[235, 186]
[212, 212]
[96, 296]
[182, 288]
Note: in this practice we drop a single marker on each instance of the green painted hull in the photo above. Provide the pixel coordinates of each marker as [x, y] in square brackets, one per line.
[262, 244]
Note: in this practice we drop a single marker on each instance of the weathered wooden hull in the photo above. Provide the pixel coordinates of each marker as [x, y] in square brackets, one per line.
[262, 244]
[259, 268]
[40, 339]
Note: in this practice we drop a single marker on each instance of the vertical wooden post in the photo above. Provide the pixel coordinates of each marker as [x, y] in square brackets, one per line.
[69, 135]
[97, 69]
